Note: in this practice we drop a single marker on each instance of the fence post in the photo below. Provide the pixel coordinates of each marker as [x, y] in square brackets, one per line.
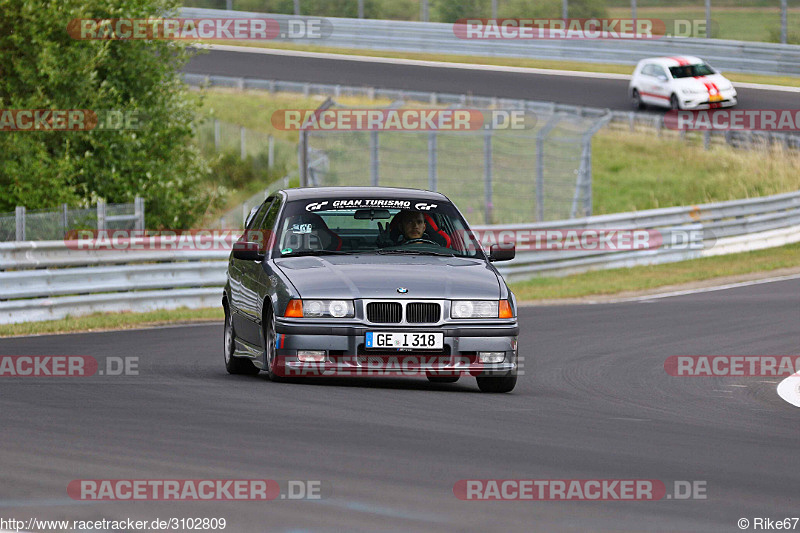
[374, 178]
[784, 32]
[138, 211]
[64, 217]
[20, 220]
[243, 151]
[708, 20]
[270, 152]
[432, 161]
[487, 176]
[302, 158]
[216, 135]
[706, 139]
[101, 214]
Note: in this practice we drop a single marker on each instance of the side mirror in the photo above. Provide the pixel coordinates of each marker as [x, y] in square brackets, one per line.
[502, 252]
[247, 251]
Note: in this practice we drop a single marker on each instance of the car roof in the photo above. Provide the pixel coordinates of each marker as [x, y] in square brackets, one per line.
[674, 61]
[306, 193]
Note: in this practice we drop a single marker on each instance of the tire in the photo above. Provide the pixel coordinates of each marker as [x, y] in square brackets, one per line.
[638, 105]
[270, 354]
[442, 379]
[234, 365]
[497, 384]
[674, 104]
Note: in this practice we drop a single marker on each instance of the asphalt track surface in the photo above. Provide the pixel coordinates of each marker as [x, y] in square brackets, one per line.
[595, 403]
[574, 90]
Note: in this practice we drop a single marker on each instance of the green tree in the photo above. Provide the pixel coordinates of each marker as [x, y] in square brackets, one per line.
[42, 67]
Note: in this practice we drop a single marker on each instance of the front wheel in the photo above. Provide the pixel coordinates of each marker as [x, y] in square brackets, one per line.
[497, 383]
[270, 350]
[674, 104]
[235, 365]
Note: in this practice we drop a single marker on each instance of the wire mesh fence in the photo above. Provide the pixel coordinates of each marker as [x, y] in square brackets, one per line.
[57, 224]
[264, 150]
[542, 172]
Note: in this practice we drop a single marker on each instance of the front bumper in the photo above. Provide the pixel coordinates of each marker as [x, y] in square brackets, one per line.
[704, 101]
[346, 356]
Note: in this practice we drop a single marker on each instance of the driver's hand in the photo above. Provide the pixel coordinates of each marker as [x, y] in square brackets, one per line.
[384, 237]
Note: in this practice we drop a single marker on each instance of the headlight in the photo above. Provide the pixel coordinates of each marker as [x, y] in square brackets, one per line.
[320, 309]
[474, 309]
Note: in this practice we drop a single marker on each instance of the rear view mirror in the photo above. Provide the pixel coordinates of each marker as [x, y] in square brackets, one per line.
[502, 252]
[371, 214]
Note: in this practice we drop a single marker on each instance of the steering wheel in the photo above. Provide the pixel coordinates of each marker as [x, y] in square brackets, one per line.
[413, 241]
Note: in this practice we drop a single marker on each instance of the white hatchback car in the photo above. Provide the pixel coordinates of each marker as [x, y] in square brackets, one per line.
[680, 82]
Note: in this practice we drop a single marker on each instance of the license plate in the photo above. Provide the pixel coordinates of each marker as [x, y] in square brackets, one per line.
[394, 339]
[715, 98]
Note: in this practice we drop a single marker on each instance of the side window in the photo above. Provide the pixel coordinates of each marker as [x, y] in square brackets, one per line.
[254, 220]
[659, 71]
[267, 224]
[648, 70]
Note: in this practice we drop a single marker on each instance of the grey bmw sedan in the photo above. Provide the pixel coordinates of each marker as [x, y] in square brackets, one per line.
[368, 281]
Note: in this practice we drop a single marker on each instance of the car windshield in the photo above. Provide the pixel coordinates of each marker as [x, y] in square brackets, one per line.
[689, 71]
[333, 226]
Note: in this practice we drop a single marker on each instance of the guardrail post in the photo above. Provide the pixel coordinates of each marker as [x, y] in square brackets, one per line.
[706, 139]
[487, 176]
[270, 151]
[242, 145]
[361, 9]
[374, 178]
[424, 11]
[20, 220]
[138, 211]
[432, 161]
[216, 135]
[101, 214]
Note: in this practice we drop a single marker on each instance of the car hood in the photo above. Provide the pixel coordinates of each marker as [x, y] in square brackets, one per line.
[703, 82]
[376, 276]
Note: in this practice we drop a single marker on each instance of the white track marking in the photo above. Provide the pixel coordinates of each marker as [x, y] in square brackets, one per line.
[463, 66]
[789, 389]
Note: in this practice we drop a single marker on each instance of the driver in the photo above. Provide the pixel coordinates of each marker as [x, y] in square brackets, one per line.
[412, 225]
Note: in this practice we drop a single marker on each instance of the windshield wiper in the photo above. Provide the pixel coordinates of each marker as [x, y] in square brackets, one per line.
[316, 252]
[395, 251]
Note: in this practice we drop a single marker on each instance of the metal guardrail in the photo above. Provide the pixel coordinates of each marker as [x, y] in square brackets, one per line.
[439, 38]
[137, 280]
